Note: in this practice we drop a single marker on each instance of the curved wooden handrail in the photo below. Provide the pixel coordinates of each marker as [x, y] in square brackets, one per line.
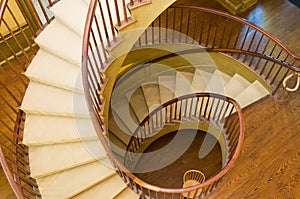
[231, 162]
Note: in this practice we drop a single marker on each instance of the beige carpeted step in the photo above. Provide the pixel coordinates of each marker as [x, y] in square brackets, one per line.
[200, 81]
[166, 88]
[217, 82]
[183, 83]
[49, 159]
[251, 94]
[119, 129]
[117, 146]
[43, 99]
[127, 193]
[138, 103]
[107, 189]
[75, 17]
[122, 110]
[52, 70]
[45, 129]
[236, 85]
[61, 41]
[151, 93]
[71, 182]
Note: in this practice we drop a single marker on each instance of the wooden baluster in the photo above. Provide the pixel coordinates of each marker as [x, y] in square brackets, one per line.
[124, 11]
[44, 11]
[111, 24]
[117, 13]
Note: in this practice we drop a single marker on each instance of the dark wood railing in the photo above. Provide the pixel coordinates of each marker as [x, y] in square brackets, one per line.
[221, 32]
[20, 23]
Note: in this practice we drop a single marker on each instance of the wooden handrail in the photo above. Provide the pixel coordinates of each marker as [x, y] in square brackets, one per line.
[133, 145]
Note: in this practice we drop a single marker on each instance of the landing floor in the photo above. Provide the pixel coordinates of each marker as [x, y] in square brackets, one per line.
[173, 154]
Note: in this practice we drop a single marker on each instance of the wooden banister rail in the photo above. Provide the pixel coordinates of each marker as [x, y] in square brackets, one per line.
[20, 23]
[213, 108]
[222, 32]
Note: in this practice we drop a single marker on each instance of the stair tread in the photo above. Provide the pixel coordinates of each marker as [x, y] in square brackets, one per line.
[75, 17]
[217, 82]
[118, 129]
[123, 110]
[45, 66]
[183, 83]
[251, 94]
[106, 189]
[200, 80]
[66, 184]
[43, 99]
[166, 88]
[59, 40]
[127, 193]
[236, 85]
[49, 159]
[138, 103]
[151, 93]
[117, 146]
[43, 129]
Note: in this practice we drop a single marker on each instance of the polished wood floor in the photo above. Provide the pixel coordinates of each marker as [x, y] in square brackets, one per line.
[268, 166]
[173, 154]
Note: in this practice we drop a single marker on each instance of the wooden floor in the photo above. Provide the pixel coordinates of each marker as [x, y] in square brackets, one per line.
[183, 154]
[268, 166]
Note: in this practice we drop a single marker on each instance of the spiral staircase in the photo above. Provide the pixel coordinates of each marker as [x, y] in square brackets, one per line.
[63, 145]
[138, 93]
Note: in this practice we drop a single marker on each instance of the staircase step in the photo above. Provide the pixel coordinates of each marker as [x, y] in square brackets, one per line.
[127, 193]
[71, 182]
[75, 17]
[48, 100]
[118, 129]
[43, 129]
[151, 93]
[200, 80]
[183, 83]
[251, 94]
[109, 188]
[59, 40]
[166, 88]
[117, 146]
[138, 103]
[217, 82]
[123, 112]
[49, 159]
[236, 85]
[45, 66]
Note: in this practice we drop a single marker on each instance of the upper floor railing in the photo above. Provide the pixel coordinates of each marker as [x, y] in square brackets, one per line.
[218, 31]
[20, 21]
